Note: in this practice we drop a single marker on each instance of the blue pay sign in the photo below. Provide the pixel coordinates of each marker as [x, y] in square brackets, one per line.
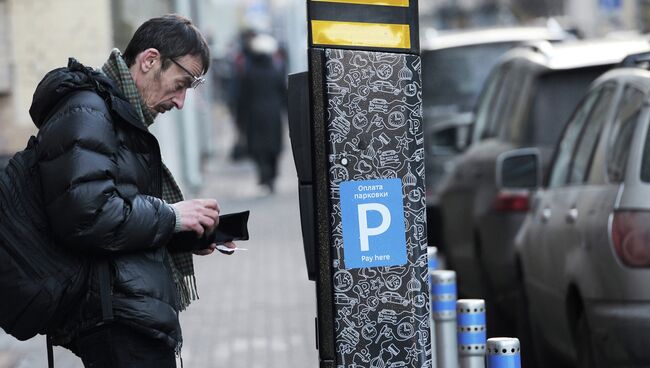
[373, 223]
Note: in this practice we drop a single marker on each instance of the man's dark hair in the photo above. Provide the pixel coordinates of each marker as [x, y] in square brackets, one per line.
[174, 36]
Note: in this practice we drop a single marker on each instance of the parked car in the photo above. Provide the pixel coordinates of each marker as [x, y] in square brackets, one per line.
[584, 248]
[526, 102]
[455, 65]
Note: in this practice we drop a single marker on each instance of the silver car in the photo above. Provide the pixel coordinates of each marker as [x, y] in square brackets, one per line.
[455, 65]
[584, 248]
[526, 102]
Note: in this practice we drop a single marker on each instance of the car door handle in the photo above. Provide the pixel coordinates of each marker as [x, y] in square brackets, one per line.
[572, 216]
[546, 214]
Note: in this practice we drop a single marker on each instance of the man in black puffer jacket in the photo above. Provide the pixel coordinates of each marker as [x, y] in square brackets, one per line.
[109, 196]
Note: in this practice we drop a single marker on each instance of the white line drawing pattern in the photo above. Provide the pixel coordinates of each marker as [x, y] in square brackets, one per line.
[374, 120]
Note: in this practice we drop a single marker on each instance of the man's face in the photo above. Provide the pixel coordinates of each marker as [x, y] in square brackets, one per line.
[162, 90]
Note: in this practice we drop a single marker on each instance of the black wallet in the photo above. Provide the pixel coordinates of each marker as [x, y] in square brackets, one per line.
[232, 227]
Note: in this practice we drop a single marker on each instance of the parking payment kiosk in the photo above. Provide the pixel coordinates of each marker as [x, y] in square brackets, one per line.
[357, 138]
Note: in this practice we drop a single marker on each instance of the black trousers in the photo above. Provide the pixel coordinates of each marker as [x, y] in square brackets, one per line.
[267, 168]
[118, 346]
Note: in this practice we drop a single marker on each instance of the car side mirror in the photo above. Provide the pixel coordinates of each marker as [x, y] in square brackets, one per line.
[443, 141]
[452, 136]
[519, 169]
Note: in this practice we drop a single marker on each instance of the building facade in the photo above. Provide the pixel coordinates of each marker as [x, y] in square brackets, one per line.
[35, 37]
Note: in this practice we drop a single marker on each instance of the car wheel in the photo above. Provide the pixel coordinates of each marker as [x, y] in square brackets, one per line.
[522, 325]
[585, 348]
[542, 353]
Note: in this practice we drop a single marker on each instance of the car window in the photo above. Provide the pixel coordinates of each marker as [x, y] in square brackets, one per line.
[557, 94]
[519, 86]
[620, 138]
[503, 97]
[571, 134]
[645, 164]
[589, 138]
[453, 77]
[485, 108]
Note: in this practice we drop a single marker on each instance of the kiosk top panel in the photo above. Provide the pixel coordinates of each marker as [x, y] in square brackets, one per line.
[373, 25]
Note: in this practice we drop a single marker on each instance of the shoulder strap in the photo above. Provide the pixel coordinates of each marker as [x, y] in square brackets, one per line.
[50, 352]
[103, 275]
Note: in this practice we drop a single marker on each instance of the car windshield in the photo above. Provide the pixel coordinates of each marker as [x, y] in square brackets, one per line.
[558, 94]
[453, 77]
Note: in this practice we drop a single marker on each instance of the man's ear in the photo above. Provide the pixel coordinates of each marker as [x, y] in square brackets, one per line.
[148, 59]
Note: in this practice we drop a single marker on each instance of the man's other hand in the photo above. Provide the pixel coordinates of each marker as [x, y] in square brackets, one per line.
[198, 215]
[230, 245]
[208, 251]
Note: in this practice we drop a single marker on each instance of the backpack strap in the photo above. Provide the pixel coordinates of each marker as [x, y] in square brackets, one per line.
[50, 352]
[104, 277]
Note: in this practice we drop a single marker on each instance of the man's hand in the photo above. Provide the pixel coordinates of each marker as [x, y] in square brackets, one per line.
[208, 251]
[198, 215]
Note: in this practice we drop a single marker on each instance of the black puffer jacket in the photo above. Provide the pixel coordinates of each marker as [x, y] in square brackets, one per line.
[101, 177]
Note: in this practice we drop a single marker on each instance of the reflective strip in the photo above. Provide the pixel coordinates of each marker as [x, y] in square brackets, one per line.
[393, 36]
[504, 361]
[441, 289]
[472, 338]
[443, 306]
[472, 319]
[400, 3]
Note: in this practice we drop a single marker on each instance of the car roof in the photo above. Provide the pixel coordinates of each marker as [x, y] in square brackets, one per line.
[579, 53]
[435, 40]
[637, 75]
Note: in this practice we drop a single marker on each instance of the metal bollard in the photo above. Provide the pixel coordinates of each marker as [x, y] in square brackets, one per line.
[471, 332]
[432, 256]
[443, 308]
[503, 352]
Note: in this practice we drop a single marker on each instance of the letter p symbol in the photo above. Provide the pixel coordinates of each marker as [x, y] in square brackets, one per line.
[364, 231]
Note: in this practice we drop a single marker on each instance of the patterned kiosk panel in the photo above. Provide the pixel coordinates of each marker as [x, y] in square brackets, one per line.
[373, 104]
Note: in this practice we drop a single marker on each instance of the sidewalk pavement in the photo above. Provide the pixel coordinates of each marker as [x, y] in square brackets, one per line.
[256, 307]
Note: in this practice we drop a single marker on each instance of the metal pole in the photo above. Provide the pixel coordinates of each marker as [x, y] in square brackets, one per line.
[443, 307]
[503, 352]
[471, 332]
[432, 256]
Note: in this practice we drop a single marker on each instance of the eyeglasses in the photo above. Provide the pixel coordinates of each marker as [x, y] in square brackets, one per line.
[196, 81]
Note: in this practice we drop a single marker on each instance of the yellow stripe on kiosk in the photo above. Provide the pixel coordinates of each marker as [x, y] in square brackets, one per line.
[400, 3]
[395, 36]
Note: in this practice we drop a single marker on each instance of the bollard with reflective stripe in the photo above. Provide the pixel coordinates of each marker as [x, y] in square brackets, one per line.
[443, 309]
[503, 352]
[471, 332]
[432, 256]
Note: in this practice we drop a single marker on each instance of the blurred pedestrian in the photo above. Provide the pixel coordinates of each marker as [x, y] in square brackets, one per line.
[240, 63]
[113, 199]
[261, 101]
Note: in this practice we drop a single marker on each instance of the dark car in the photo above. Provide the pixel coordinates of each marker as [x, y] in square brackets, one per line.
[529, 97]
[584, 248]
[455, 65]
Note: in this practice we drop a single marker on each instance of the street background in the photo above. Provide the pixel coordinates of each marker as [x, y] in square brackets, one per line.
[257, 307]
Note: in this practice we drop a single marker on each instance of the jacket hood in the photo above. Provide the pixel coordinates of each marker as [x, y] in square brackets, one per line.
[59, 83]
